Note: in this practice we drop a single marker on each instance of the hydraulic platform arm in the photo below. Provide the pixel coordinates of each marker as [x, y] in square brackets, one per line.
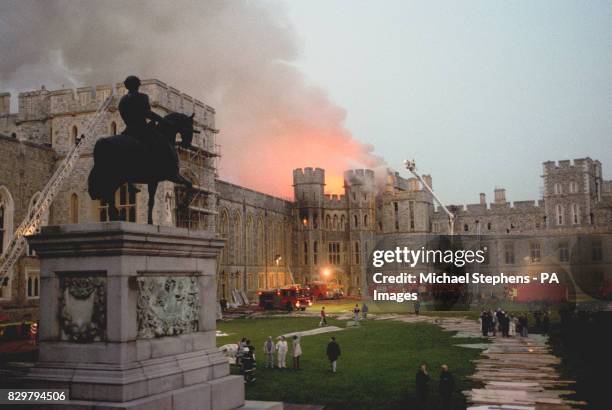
[411, 166]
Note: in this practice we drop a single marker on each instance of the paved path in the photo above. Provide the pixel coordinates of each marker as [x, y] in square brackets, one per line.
[517, 373]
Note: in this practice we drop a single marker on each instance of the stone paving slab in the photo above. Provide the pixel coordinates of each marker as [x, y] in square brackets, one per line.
[316, 331]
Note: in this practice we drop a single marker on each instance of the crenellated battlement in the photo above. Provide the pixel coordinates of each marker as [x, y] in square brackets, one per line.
[334, 200]
[308, 175]
[580, 164]
[495, 209]
[42, 104]
[359, 177]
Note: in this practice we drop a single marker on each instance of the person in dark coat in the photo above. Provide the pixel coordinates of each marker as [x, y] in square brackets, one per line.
[333, 353]
[446, 387]
[422, 387]
[484, 323]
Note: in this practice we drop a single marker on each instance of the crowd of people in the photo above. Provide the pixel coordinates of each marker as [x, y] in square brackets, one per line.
[504, 323]
[276, 353]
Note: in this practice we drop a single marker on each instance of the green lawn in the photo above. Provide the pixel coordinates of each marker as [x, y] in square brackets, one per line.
[376, 370]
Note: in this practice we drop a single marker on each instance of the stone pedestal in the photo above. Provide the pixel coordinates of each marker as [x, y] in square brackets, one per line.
[128, 318]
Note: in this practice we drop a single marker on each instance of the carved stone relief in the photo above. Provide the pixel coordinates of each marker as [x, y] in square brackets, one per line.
[82, 307]
[167, 305]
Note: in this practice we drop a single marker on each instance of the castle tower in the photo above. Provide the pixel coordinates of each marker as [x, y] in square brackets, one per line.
[360, 193]
[309, 188]
[571, 191]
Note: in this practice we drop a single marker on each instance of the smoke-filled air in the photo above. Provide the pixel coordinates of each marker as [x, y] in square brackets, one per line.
[236, 56]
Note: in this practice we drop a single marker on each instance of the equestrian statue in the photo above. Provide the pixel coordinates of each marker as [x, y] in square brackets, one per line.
[144, 153]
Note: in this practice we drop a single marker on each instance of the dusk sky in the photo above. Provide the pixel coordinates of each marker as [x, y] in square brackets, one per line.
[480, 93]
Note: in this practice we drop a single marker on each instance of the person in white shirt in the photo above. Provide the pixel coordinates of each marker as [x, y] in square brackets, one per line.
[297, 352]
[281, 350]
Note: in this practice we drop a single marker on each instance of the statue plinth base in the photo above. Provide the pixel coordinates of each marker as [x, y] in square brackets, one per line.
[128, 319]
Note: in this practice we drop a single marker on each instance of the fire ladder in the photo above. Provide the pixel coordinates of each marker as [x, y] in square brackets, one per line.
[32, 222]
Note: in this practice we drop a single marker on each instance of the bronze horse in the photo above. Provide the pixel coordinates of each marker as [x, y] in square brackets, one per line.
[121, 159]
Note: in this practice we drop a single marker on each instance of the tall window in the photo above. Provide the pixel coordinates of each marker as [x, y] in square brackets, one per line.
[575, 214]
[334, 253]
[355, 221]
[125, 201]
[2, 229]
[33, 285]
[558, 189]
[6, 217]
[328, 222]
[237, 239]
[509, 253]
[535, 252]
[342, 226]
[305, 252]
[411, 213]
[365, 221]
[250, 254]
[563, 252]
[560, 214]
[573, 187]
[315, 252]
[396, 215]
[74, 209]
[74, 133]
[335, 222]
[357, 253]
[260, 242]
[223, 230]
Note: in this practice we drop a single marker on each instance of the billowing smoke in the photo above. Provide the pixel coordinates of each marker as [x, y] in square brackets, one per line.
[234, 55]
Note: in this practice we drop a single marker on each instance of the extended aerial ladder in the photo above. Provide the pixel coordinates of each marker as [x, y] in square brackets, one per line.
[411, 166]
[32, 221]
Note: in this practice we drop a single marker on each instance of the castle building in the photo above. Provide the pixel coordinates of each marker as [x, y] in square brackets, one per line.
[270, 241]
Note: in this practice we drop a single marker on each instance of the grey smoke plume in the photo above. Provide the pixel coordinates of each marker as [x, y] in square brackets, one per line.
[234, 55]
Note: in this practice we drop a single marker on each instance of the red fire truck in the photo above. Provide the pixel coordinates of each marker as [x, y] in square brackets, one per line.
[287, 298]
[322, 290]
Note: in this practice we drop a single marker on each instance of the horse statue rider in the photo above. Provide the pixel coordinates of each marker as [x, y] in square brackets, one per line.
[144, 153]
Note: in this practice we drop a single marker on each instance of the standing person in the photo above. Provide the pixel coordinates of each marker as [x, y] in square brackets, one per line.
[356, 313]
[505, 324]
[493, 322]
[333, 353]
[484, 323]
[297, 352]
[281, 349]
[446, 387]
[545, 322]
[241, 349]
[269, 352]
[417, 307]
[364, 311]
[422, 387]
[512, 326]
[524, 323]
[323, 321]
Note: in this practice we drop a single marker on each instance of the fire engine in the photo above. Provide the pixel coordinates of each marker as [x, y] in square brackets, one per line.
[287, 298]
[322, 290]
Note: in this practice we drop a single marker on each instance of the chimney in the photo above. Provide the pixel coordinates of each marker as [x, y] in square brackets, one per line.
[483, 199]
[500, 196]
[5, 103]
